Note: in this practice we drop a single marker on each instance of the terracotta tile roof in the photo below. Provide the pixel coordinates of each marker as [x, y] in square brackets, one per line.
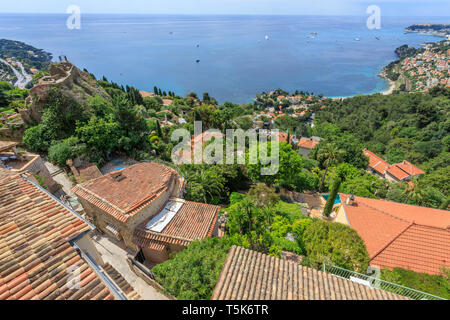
[205, 137]
[34, 250]
[121, 282]
[125, 192]
[282, 136]
[429, 249]
[375, 162]
[145, 94]
[307, 143]
[401, 235]
[409, 168]
[89, 171]
[397, 172]
[193, 221]
[250, 275]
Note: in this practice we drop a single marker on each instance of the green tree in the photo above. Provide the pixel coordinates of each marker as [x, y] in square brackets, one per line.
[332, 197]
[262, 195]
[327, 154]
[193, 273]
[60, 153]
[100, 134]
[335, 243]
[38, 138]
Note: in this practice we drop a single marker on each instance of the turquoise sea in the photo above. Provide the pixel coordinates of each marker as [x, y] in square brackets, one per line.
[236, 60]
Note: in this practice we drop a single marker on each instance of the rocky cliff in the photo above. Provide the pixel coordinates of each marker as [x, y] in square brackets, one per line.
[71, 81]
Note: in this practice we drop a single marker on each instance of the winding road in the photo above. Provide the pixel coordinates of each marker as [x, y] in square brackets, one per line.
[23, 78]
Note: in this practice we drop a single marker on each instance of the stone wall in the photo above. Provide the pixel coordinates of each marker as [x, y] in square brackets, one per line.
[138, 269]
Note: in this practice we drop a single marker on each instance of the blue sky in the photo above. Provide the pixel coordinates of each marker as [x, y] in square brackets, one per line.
[322, 7]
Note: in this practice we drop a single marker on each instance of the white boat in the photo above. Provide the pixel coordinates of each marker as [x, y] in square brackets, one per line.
[357, 39]
[267, 37]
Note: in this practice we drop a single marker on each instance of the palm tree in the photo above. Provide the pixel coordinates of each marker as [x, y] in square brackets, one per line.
[415, 192]
[333, 154]
[210, 185]
[247, 209]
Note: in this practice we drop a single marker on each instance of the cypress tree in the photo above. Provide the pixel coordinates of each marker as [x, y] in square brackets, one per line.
[332, 197]
[158, 129]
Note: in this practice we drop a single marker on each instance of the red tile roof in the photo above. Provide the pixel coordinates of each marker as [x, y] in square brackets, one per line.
[250, 275]
[35, 254]
[145, 94]
[397, 172]
[401, 235]
[282, 136]
[409, 168]
[89, 171]
[375, 162]
[307, 143]
[429, 249]
[137, 186]
[193, 221]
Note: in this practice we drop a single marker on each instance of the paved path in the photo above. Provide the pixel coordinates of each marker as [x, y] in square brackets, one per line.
[116, 256]
[60, 177]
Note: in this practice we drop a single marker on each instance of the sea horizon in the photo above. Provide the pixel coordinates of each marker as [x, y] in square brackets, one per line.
[226, 55]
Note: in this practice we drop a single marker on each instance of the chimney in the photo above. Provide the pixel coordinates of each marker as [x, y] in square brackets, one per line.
[350, 200]
[117, 176]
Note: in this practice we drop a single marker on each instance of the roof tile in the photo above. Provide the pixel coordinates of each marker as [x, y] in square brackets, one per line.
[248, 274]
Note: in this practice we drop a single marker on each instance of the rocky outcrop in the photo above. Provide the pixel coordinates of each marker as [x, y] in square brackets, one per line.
[70, 80]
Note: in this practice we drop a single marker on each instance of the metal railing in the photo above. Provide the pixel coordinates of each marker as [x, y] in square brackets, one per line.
[377, 283]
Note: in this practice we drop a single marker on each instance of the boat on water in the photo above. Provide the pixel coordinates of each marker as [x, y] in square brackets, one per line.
[198, 60]
[267, 37]
[357, 39]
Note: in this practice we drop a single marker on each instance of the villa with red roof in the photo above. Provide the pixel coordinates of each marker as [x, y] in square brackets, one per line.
[305, 145]
[399, 235]
[141, 207]
[403, 171]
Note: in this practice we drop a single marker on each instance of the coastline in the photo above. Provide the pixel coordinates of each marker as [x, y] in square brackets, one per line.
[391, 83]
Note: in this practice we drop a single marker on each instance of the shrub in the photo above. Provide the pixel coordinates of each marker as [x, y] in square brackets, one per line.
[36, 138]
[193, 273]
[236, 197]
[335, 243]
[60, 153]
[438, 285]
